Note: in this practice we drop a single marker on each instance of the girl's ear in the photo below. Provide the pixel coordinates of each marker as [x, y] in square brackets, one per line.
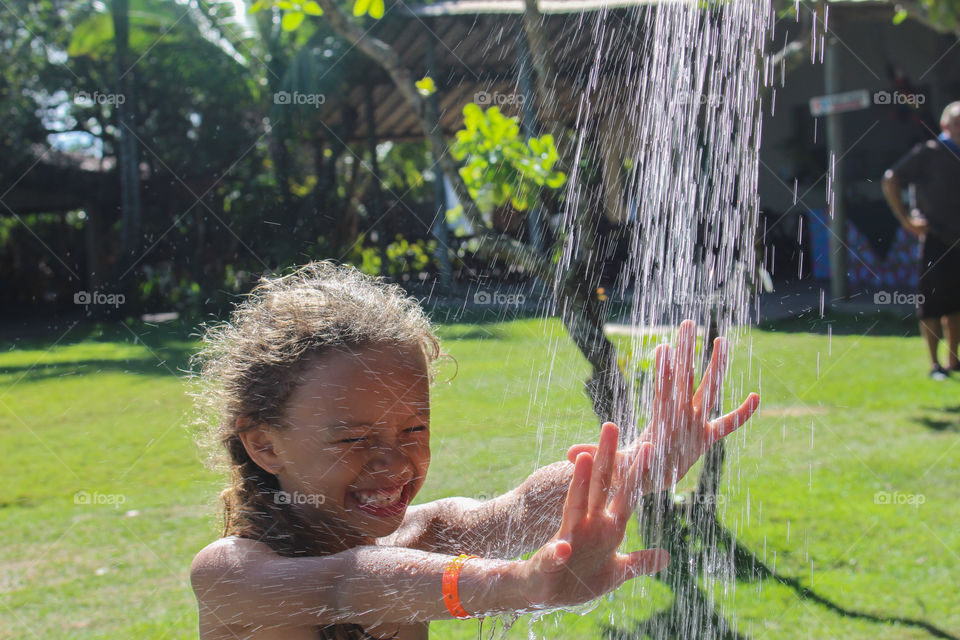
[259, 443]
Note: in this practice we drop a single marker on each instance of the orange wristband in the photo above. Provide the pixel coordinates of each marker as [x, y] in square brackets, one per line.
[451, 578]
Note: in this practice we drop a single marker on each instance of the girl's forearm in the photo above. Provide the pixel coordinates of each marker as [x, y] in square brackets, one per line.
[398, 585]
[542, 497]
[506, 526]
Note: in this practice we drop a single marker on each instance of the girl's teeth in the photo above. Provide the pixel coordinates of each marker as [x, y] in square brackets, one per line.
[378, 498]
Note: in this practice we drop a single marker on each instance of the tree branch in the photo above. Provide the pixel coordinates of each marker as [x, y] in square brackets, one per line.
[384, 55]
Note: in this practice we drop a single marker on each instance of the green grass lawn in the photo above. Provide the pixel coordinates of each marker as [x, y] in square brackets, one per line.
[847, 421]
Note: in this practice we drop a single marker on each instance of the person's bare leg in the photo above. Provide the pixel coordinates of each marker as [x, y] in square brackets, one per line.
[951, 331]
[930, 329]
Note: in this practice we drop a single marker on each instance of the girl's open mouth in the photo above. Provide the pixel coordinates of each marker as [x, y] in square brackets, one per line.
[383, 503]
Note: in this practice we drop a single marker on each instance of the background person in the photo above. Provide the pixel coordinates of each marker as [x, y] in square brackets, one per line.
[933, 168]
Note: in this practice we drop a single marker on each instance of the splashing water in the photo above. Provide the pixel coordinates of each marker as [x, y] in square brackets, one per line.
[677, 131]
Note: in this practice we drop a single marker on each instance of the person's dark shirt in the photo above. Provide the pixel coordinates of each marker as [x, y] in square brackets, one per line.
[934, 170]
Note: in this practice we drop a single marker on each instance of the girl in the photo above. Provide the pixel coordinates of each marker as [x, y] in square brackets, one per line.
[321, 383]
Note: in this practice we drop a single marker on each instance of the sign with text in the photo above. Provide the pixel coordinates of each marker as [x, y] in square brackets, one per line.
[840, 102]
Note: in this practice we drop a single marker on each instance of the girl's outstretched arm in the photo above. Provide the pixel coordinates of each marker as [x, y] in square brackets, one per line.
[243, 584]
[678, 433]
[240, 582]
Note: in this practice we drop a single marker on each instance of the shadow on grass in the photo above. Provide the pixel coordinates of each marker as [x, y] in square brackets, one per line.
[946, 422]
[167, 349]
[841, 324]
[744, 557]
[698, 616]
[168, 346]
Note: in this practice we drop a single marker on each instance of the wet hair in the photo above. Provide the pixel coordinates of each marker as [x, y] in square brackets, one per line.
[248, 367]
[951, 111]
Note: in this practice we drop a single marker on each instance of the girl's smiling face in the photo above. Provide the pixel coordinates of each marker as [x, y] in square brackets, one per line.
[356, 446]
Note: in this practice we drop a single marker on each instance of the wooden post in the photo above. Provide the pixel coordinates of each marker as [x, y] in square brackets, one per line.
[529, 127]
[439, 227]
[378, 212]
[837, 209]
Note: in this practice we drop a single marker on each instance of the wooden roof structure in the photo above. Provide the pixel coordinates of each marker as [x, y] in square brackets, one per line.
[474, 51]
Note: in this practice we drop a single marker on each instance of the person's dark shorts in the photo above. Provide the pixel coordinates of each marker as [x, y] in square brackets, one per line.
[939, 278]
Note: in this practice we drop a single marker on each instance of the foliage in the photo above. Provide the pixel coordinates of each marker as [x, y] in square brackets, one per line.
[943, 13]
[499, 166]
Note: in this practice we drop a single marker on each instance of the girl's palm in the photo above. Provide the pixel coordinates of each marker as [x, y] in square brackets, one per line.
[581, 562]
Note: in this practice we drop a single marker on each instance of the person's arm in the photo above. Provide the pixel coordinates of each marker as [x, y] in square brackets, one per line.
[244, 583]
[893, 192]
[503, 527]
[678, 433]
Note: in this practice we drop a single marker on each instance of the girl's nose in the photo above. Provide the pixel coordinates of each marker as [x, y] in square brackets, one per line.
[390, 459]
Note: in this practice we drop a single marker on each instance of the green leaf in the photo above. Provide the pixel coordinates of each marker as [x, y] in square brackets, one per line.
[556, 180]
[900, 16]
[376, 9]
[91, 35]
[360, 7]
[256, 6]
[426, 86]
[312, 9]
[292, 20]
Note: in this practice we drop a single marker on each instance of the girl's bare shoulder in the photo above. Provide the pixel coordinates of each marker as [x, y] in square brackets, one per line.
[228, 554]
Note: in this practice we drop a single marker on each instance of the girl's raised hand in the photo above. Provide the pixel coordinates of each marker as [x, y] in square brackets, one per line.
[581, 561]
[679, 431]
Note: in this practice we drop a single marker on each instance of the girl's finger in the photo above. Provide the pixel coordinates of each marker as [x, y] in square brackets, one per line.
[555, 557]
[663, 390]
[705, 399]
[577, 449]
[575, 506]
[641, 563]
[722, 427]
[603, 468]
[627, 496]
[683, 373]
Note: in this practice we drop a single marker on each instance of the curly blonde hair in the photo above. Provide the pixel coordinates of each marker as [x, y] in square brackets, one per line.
[249, 366]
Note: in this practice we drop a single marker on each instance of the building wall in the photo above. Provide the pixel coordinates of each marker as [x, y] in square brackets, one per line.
[876, 55]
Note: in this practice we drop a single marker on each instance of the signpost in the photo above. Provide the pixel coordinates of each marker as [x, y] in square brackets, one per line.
[832, 106]
[840, 103]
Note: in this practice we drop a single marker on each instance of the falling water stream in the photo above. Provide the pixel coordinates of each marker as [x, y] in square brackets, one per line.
[682, 122]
